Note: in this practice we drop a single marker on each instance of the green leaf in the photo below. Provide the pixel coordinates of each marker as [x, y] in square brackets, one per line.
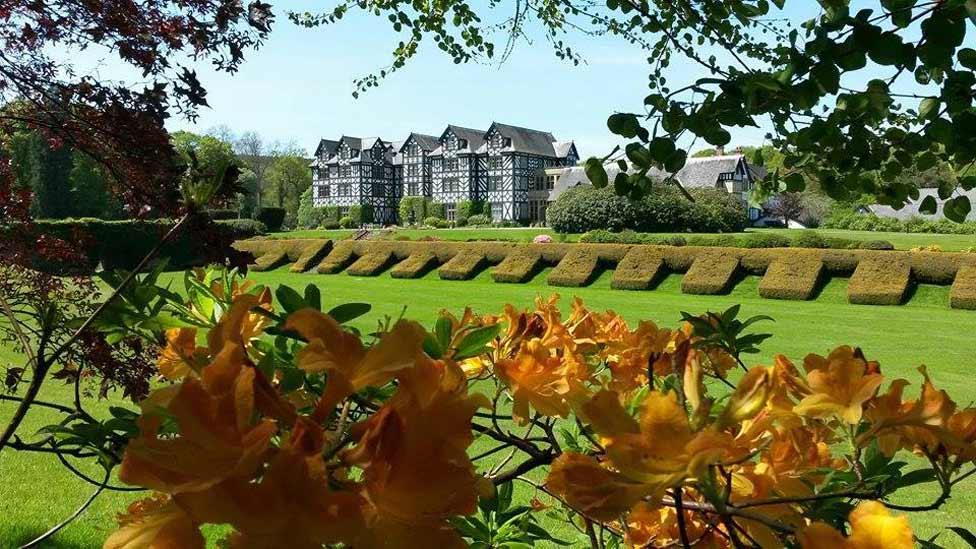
[967, 58]
[928, 206]
[624, 124]
[956, 209]
[965, 534]
[475, 341]
[313, 297]
[928, 108]
[595, 172]
[289, 299]
[349, 311]
[442, 331]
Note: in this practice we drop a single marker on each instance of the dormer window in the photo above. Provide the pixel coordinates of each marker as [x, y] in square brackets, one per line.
[508, 141]
[462, 143]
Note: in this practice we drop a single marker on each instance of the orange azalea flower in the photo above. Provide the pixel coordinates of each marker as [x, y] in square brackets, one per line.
[840, 384]
[181, 356]
[897, 424]
[292, 505]
[656, 453]
[155, 523]
[749, 397]
[594, 490]
[650, 526]
[549, 382]
[239, 326]
[218, 437]
[413, 453]
[872, 526]
[630, 356]
[962, 434]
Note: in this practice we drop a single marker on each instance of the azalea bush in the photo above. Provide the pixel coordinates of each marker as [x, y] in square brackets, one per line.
[276, 418]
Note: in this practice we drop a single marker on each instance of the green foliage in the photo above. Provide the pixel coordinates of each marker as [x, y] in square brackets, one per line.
[809, 239]
[963, 292]
[416, 265]
[766, 240]
[273, 218]
[664, 209]
[711, 273]
[479, 220]
[519, 266]
[725, 331]
[371, 264]
[796, 278]
[312, 255]
[468, 208]
[341, 256]
[436, 222]
[306, 217]
[347, 222]
[876, 245]
[641, 269]
[465, 265]
[416, 209]
[880, 282]
[361, 214]
[578, 268]
[286, 180]
[501, 524]
[870, 222]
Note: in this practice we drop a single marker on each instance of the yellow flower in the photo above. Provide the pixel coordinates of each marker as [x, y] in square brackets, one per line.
[749, 397]
[537, 376]
[872, 527]
[155, 523]
[181, 356]
[840, 384]
[218, 437]
[897, 424]
[593, 489]
[239, 325]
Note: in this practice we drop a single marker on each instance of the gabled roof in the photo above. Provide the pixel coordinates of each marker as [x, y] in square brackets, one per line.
[563, 148]
[910, 209]
[327, 146]
[704, 172]
[526, 140]
[426, 142]
[352, 142]
[475, 138]
[370, 142]
[576, 175]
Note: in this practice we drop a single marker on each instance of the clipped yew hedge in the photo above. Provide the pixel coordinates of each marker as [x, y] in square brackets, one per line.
[963, 292]
[792, 278]
[878, 281]
[876, 277]
[641, 269]
[711, 273]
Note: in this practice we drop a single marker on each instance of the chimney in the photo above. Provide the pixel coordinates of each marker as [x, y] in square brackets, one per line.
[720, 150]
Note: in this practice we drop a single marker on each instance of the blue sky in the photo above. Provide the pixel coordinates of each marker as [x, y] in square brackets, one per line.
[298, 87]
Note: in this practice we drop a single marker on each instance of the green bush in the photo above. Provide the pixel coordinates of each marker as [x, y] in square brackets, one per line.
[361, 214]
[461, 222]
[479, 220]
[416, 265]
[313, 254]
[664, 209]
[521, 265]
[241, 229]
[465, 265]
[330, 225]
[766, 240]
[869, 222]
[963, 292]
[711, 273]
[578, 268]
[436, 223]
[641, 269]
[347, 222]
[791, 278]
[272, 218]
[879, 281]
[809, 239]
[414, 209]
[222, 214]
[677, 241]
[341, 256]
[372, 264]
[876, 245]
[467, 208]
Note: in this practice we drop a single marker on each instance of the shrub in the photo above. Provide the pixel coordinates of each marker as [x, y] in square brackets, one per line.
[465, 265]
[416, 265]
[809, 239]
[520, 266]
[711, 273]
[870, 222]
[222, 214]
[330, 225]
[479, 220]
[313, 254]
[881, 245]
[269, 261]
[341, 256]
[461, 222]
[437, 223]
[372, 264]
[791, 278]
[241, 229]
[677, 241]
[272, 218]
[347, 222]
[467, 208]
[879, 282]
[962, 295]
[361, 214]
[578, 268]
[766, 240]
[641, 269]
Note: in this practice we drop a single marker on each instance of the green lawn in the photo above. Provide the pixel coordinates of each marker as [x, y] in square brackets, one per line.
[902, 241]
[35, 492]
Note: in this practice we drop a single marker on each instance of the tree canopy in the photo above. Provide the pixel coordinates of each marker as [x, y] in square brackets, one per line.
[852, 97]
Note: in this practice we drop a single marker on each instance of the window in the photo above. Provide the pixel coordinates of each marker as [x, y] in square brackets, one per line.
[323, 191]
[495, 183]
[450, 211]
[344, 190]
[727, 176]
[551, 181]
[436, 163]
[377, 189]
[451, 163]
[413, 169]
[495, 163]
[450, 185]
[412, 189]
[345, 171]
[333, 171]
[533, 210]
[343, 211]
[413, 149]
[497, 210]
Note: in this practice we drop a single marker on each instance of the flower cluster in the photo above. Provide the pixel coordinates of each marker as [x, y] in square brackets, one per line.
[371, 446]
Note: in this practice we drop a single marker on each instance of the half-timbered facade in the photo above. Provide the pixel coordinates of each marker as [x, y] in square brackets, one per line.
[505, 167]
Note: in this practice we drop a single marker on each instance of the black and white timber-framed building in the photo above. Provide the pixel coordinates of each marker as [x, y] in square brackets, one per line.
[503, 166]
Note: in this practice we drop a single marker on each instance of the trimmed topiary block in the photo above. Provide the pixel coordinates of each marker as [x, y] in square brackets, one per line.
[578, 268]
[372, 264]
[963, 292]
[795, 278]
[879, 282]
[341, 256]
[711, 274]
[416, 265]
[520, 266]
[270, 260]
[311, 255]
[641, 269]
[464, 266]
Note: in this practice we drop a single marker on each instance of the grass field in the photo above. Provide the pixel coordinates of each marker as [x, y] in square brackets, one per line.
[901, 241]
[35, 492]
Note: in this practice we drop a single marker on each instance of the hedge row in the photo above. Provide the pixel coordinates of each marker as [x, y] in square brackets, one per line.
[792, 278]
[877, 277]
[711, 273]
[312, 255]
[271, 254]
[870, 222]
[641, 269]
[963, 292]
[879, 282]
